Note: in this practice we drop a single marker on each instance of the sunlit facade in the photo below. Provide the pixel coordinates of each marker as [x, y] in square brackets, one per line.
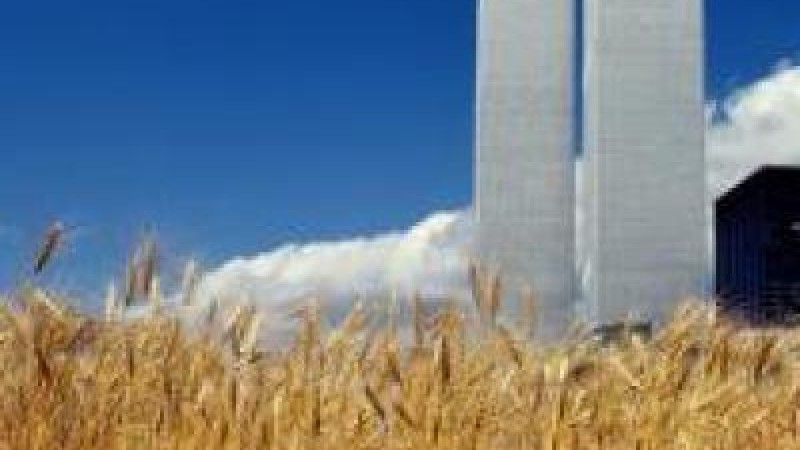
[646, 228]
[525, 150]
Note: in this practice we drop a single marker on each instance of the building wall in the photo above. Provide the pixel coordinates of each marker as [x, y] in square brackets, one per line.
[758, 247]
[644, 169]
[525, 147]
[740, 237]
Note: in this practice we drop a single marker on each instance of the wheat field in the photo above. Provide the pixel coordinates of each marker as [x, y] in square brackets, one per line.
[451, 380]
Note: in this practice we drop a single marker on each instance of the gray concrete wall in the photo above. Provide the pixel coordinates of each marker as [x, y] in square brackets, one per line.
[525, 168]
[644, 167]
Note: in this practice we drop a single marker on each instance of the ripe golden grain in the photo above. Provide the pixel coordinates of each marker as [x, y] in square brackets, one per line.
[76, 382]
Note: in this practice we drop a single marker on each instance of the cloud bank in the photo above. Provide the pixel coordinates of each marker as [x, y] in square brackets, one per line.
[758, 124]
[431, 258]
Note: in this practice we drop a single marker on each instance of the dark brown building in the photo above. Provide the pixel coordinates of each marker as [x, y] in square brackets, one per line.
[758, 246]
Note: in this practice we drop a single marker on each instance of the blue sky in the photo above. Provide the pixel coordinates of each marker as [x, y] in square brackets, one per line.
[233, 126]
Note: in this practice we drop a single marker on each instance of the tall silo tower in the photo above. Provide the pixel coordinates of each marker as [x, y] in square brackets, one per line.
[644, 159]
[525, 202]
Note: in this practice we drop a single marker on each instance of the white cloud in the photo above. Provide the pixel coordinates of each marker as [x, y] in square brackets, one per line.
[759, 124]
[430, 258]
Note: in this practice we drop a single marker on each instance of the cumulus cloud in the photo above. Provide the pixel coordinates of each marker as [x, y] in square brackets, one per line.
[758, 124]
[430, 258]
